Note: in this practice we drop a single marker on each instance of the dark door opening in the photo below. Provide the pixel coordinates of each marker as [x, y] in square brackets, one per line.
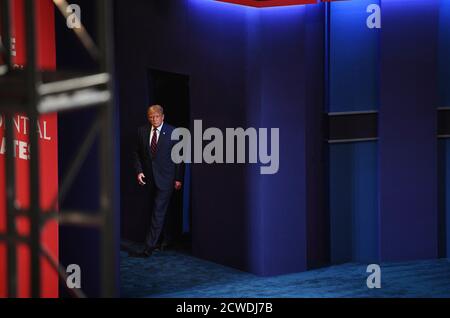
[171, 91]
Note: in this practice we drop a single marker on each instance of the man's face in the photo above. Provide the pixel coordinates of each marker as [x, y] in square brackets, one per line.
[155, 118]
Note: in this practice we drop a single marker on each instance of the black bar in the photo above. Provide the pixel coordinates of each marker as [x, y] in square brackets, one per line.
[444, 122]
[352, 126]
[32, 79]
[10, 207]
[348, 126]
[108, 247]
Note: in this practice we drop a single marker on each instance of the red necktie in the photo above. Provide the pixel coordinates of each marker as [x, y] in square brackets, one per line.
[154, 142]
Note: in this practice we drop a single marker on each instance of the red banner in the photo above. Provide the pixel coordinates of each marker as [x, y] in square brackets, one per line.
[48, 145]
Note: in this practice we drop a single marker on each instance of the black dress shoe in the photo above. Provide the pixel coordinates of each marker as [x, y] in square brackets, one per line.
[141, 252]
[136, 254]
[147, 252]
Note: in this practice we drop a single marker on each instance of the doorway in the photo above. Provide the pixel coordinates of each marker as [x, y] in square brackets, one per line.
[171, 91]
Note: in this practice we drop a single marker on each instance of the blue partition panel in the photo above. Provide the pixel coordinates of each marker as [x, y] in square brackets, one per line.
[407, 130]
[444, 145]
[353, 58]
[444, 198]
[353, 202]
[444, 54]
[353, 55]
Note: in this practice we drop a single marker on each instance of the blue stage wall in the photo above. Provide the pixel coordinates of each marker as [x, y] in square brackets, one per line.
[353, 58]
[444, 144]
[444, 195]
[444, 53]
[264, 68]
[236, 211]
[407, 130]
[353, 55]
[291, 79]
[397, 65]
[353, 202]
[240, 64]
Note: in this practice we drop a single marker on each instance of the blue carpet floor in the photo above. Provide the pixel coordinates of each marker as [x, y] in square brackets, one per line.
[172, 274]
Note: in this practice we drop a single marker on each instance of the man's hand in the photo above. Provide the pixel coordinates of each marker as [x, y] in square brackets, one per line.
[140, 179]
[177, 185]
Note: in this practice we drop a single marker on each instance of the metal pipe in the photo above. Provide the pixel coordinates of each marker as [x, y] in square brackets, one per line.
[108, 247]
[10, 207]
[33, 99]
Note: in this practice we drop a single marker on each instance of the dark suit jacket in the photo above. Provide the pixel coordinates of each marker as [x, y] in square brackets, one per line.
[161, 170]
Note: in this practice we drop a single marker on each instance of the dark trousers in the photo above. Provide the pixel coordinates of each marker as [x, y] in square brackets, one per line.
[159, 201]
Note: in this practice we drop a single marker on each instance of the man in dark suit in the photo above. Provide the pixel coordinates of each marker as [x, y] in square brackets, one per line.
[156, 171]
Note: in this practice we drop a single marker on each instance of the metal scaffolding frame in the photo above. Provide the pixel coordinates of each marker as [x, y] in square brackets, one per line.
[36, 92]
